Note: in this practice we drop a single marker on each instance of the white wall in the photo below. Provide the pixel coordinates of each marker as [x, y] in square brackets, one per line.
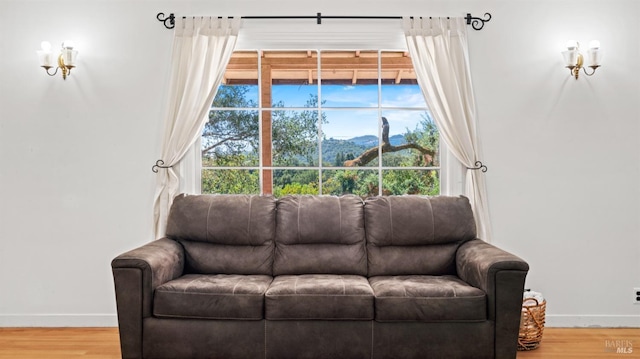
[564, 154]
[76, 155]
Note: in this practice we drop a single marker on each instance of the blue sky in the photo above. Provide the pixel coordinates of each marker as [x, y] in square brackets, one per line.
[346, 124]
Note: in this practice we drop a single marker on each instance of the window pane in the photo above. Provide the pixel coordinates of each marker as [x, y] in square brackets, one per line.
[398, 182]
[300, 95]
[349, 96]
[287, 182]
[360, 182]
[295, 138]
[349, 78]
[407, 96]
[240, 83]
[348, 134]
[231, 181]
[230, 138]
[412, 139]
[294, 78]
[399, 85]
[236, 96]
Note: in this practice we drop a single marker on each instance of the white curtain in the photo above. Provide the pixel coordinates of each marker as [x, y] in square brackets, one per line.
[202, 48]
[438, 48]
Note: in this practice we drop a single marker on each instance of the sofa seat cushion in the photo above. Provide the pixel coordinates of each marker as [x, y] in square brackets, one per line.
[423, 298]
[319, 296]
[212, 296]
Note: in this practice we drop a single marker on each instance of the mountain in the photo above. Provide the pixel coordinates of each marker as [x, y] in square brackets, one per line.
[397, 140]
[333, 149]
[365, 141]
[354, 146]
[369, 141]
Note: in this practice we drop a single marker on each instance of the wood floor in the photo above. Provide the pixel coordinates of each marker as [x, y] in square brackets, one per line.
[59, 343]
[102, 343]
[586, 343]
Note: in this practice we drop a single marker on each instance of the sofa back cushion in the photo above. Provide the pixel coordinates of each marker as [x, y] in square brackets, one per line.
[224, 234]
[416, 234]
[320, 235]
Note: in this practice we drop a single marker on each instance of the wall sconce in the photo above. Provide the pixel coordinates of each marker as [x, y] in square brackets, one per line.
[575, 61]
[66, 58]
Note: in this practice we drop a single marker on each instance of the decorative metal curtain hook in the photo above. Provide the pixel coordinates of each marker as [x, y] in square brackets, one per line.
[159, 164]
[478, 166]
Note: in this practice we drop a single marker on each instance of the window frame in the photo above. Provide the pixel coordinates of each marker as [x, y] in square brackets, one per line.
[450, 175]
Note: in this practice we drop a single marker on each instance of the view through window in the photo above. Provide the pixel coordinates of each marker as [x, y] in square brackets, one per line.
[320, 122]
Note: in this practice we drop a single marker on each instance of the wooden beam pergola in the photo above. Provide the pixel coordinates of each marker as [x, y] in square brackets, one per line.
[348, 67]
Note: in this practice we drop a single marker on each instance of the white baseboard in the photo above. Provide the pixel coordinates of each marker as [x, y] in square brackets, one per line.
[586, 321]
[58, 320]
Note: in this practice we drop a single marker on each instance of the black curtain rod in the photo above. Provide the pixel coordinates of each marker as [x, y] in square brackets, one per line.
[475, 22]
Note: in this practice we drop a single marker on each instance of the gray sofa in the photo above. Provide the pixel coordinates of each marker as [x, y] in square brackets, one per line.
[242, 276]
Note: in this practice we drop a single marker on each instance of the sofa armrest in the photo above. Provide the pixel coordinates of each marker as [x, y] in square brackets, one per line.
[478, 262]
[501, 275]
[136, 274]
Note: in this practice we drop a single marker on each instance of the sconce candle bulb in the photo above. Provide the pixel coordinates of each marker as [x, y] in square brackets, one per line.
[46, 46]
[45, 55]
[572, 45]
[594, 53]
[66, 58]
[574, 60]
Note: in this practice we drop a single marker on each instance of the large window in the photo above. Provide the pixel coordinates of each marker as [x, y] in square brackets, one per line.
[320, 122]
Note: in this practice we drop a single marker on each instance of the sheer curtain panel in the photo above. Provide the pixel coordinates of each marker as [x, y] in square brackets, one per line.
[438, 48]
[202, 48]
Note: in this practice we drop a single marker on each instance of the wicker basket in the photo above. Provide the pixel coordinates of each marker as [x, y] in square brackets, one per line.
[531, 324]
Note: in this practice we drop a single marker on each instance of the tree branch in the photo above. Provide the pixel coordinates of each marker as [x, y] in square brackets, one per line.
[372, 153]
[239, 137]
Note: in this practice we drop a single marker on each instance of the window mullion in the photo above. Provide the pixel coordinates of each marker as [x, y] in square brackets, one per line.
[379, 122]
[260, 139]
[319, 84]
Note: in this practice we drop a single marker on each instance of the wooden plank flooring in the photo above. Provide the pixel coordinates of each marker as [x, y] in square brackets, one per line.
[59, 343]
[103, 343]
[586, 343]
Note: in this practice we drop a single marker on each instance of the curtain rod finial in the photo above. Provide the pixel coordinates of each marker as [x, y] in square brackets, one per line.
[476, 22]
[168, 21]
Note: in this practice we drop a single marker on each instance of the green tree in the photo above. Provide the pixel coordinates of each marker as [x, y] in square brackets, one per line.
[296, 188]
[231, 138]
[234, 132]
[295, 134]
[231, 133]
[231, 181]
[411, 182]
[425, 135]
[425, 182]
[386, 147]
[420, 150]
